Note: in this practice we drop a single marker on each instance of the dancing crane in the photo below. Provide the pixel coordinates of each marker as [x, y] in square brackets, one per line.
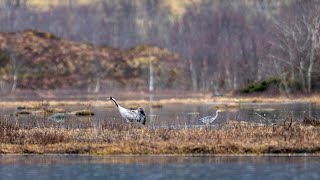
[131, 115]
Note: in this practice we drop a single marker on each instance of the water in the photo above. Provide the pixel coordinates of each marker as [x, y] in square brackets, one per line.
[166, 167]
[158, 167]
[181, 115]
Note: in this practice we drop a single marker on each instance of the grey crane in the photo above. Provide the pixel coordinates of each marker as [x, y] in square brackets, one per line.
[209, 119]
[131, 115]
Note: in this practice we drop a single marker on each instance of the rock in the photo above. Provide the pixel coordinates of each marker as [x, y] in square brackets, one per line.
[23, 113]
[58, 117]
[27, 107]
[83, 113]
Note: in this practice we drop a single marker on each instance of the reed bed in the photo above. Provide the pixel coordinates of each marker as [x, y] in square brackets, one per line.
[116, 138]
[228, 101]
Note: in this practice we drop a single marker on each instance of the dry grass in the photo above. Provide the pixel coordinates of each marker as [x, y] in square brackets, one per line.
[231, 138]
[222, 101]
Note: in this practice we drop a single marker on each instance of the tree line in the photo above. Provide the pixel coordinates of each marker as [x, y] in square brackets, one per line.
[226, 45]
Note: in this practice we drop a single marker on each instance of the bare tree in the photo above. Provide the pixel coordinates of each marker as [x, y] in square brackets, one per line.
[296, 41]
[15, 63]
[314, 30]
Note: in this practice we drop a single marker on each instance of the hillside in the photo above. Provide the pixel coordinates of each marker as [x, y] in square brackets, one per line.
[40, 60]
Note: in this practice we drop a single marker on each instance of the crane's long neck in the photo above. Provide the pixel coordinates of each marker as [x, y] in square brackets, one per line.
[215, 115]
[115, 102]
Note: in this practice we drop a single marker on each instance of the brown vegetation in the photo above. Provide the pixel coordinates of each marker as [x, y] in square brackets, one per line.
[231, 138]
[221, 102]
[225, 45]
[40, 60]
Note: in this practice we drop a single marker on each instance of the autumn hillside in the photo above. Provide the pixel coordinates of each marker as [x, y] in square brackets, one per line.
[40, 60]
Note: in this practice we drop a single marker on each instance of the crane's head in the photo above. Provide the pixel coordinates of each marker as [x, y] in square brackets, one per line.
[112, 98]
[219, 110]
[142, 115]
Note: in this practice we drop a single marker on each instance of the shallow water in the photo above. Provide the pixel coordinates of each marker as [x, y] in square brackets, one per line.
[182, 115]
[158, 167]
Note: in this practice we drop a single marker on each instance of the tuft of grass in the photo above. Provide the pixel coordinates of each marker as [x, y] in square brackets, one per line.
[232, 138]
[45, 35]
[311, 121]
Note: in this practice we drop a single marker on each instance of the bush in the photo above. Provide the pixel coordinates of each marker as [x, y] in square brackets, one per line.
[259, 86]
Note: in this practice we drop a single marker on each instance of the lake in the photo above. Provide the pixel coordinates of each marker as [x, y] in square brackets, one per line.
[158, 167]
[181, 115]
[166, 166]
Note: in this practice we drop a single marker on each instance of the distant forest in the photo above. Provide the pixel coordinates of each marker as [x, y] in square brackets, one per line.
[225, 45]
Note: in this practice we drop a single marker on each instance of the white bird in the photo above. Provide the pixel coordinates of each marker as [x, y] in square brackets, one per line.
[209, 119]
[131, 115]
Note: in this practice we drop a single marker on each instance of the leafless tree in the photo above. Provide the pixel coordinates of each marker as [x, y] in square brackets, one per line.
[296, 42]
[15, 63]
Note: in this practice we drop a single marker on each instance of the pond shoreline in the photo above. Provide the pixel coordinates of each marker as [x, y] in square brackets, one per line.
[229, 101]
[9, 159]
[164, 155]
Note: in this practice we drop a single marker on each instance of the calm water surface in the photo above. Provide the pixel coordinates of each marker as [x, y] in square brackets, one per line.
[158, 167]
[181, 115]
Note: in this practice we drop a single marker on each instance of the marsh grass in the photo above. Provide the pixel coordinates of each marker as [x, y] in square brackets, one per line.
[223, 101]
[116, 138]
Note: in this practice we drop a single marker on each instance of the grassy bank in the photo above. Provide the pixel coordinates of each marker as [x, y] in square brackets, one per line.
[231, 101]
[231, 138]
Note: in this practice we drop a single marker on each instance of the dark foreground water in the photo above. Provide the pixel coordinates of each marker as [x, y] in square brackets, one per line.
[158, 167]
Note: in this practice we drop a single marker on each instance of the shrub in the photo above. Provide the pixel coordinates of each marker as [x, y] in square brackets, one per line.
[259, 86]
